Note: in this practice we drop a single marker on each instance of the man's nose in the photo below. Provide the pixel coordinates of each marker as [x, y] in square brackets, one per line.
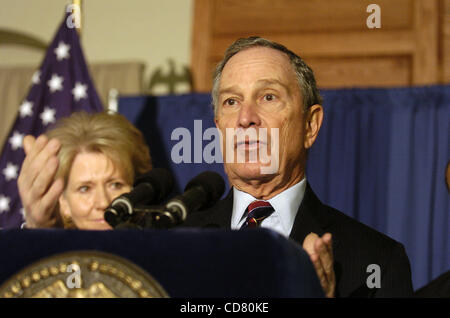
[248, 115]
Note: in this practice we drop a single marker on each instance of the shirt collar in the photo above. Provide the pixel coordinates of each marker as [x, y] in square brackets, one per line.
[285, 204]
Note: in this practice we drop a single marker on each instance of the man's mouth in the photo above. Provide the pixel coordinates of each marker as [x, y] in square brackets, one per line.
[249, 144]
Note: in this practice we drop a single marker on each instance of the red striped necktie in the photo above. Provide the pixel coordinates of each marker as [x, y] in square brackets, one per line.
[257, 212]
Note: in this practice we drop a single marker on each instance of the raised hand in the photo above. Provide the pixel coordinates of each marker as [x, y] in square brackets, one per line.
[320, 250]
[38, 191]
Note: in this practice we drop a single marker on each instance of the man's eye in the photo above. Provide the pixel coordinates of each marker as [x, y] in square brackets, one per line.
[269, 97]
[230, 102]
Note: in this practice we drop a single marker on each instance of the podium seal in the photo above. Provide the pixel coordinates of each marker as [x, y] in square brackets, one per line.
[82, 274]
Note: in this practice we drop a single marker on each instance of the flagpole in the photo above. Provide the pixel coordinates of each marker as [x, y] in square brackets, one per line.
[78, 4]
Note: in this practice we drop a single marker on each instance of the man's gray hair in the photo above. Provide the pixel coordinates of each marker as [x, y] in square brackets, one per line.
[305, 75]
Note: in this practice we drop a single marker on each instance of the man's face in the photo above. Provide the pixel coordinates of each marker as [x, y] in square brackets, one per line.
[259, 89]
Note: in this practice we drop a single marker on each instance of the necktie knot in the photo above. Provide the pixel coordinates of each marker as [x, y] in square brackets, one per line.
[257, 211]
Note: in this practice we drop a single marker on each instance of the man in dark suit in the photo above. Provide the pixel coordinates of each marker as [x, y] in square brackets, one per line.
[268, 109]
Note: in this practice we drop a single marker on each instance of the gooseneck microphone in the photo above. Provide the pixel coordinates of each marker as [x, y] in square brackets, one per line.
[200, 193]
[150, 188]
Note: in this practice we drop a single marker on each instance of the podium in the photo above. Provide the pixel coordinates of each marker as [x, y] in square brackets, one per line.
[207, 263]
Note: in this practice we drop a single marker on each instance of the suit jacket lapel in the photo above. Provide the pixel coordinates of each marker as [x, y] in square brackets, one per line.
[220, 214]
[308, 218]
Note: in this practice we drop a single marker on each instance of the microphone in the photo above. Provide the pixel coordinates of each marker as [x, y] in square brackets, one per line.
[149, 188]
[200, 193]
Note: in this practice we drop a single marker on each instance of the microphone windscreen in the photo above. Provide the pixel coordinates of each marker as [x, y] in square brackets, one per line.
[160, 179]
[211, 182]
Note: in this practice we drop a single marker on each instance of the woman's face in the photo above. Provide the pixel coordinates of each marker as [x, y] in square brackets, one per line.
[94, 181]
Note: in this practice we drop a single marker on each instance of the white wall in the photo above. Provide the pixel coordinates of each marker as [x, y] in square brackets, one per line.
[151, 31]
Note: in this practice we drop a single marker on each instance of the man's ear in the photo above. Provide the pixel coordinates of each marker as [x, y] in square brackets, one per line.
[314, 118]
[64, 207]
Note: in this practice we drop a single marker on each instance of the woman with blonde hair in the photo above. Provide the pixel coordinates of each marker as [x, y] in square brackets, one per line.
[74, 171]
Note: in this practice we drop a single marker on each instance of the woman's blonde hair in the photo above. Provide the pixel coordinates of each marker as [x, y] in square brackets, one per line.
[110, 134]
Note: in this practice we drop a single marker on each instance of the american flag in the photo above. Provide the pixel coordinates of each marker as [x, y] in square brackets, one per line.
[60, 86]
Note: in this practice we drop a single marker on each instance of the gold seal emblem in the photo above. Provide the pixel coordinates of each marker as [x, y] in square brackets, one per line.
[82, 274]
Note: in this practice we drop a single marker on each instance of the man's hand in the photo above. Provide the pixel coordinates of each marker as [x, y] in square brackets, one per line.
[38, 192]
[320, 250]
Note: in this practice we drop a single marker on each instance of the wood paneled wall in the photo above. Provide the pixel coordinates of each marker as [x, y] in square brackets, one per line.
[412, 47]
[444, 40]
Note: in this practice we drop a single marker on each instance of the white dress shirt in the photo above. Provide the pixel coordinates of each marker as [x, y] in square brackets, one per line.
[285, 204]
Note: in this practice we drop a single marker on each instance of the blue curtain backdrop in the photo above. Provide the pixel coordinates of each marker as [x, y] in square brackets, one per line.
[380, 157]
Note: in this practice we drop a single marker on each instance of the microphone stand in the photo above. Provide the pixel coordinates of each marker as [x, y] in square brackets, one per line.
[146, 217]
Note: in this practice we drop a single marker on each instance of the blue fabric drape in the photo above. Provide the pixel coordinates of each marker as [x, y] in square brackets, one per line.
[380, 157]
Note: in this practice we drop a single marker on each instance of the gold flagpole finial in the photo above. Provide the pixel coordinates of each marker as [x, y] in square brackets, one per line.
[77, 10]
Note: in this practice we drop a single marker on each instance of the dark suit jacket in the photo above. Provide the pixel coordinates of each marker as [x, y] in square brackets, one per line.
[437, 288]
[355, 246]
